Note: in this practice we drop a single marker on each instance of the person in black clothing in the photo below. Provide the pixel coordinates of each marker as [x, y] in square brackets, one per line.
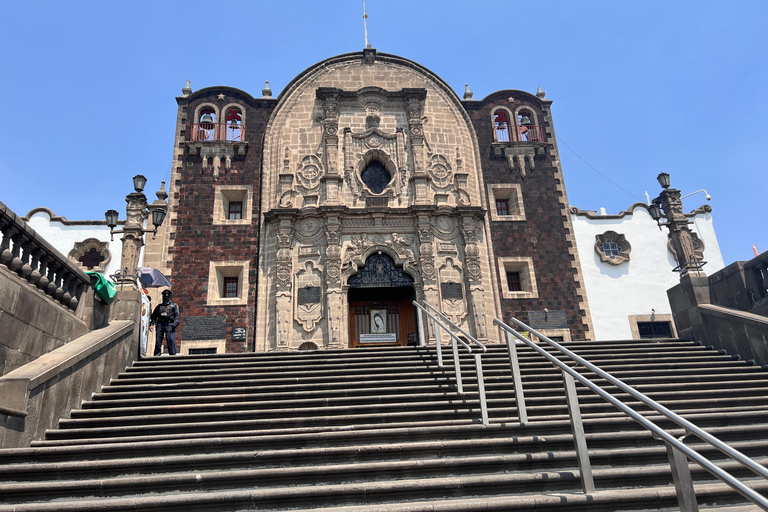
[166, 316]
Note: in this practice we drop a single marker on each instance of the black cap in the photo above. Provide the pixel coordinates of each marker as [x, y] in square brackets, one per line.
[167, 292]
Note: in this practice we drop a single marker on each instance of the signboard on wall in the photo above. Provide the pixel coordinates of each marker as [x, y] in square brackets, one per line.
[389, 337]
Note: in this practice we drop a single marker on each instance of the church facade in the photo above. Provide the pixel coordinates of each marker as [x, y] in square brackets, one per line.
[314, 219]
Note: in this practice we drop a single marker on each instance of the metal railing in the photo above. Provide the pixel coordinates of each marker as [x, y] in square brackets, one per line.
[207, 132]
[511, 133]
[440, 321]
[676, 450]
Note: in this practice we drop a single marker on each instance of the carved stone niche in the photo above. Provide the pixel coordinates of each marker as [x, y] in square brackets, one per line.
[612, 247]
[91, 254]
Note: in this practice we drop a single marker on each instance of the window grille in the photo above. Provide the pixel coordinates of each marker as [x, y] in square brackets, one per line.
[235, 210]
[230, 288]
[513, 281]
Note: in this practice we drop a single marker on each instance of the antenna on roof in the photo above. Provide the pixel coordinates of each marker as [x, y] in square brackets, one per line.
[365, 25]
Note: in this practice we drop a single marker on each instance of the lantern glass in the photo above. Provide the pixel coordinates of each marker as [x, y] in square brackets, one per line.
[655, 211]
[158, 216]
[138, 182]
[664, 180]
[111, 216]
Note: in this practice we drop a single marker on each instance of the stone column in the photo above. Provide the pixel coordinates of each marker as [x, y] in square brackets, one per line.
[415, 111]
[332, 178]
[474, 275]
[133, 236]
[334, 294]
[427, 269]
[284, 277]
[680, 236]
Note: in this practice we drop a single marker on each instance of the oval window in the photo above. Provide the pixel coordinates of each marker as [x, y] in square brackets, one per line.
[376, 177]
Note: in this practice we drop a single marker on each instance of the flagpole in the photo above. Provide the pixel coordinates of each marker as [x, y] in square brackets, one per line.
[365, 24]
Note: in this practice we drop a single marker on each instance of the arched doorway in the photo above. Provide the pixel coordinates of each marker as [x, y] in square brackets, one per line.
[380, 300]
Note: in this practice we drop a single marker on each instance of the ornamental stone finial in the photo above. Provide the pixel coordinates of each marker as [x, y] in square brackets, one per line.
[467, 93]
[266, 92]
[161, 194]
[187, 90]
[540, 93]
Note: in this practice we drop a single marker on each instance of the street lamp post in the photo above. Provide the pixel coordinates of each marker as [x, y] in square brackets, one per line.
[682, 239]
[137, 212]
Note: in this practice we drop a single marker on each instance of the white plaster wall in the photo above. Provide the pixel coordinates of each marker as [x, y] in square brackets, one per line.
[63, 237]
[634, 287]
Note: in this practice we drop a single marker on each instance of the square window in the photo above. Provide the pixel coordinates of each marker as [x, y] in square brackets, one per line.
[228, 283]
[518, 280]
[235, 210]
[508, 200]
[232, 204]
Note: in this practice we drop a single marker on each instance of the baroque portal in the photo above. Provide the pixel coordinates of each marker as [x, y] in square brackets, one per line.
[371, 198]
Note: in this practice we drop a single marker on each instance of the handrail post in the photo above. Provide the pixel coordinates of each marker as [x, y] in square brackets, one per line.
[517, 380]
[681, 475]
[579, 440]
[481, 389]
[456, 363]
[438, 343]
[420, 318]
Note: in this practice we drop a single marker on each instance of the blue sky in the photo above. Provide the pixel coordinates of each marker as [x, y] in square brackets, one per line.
[638, 88]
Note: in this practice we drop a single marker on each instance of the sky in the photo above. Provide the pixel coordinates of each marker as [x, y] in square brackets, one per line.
[638, 88]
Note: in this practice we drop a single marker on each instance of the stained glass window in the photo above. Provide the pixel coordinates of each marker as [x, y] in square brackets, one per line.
[376, 177]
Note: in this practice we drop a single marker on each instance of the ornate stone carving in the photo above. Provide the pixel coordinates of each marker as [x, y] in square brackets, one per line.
[518, 157]
[309, 172]
[612, 247]
[309, 298]
[445, 226]
[309, 229]
[401, 245]
[440, 171]
[452, 296]
[90, 254]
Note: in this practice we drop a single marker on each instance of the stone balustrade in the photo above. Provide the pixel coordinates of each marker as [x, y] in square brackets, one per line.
[756, 271]
[26, 253]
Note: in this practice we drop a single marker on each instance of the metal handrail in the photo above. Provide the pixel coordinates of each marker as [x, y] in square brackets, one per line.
[462, 331]
[441, 323]
[672, 443]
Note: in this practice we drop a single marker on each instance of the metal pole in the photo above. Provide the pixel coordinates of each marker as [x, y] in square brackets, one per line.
[681, 475]
[438, 343]
[577, 427]
[456, 363]
[420, 317]
[517, 380]
[481, 389]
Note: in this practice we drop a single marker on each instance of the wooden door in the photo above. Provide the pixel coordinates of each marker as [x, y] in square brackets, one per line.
[381, 323]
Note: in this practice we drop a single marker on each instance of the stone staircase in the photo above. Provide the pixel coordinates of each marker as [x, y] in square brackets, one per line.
[384, 430]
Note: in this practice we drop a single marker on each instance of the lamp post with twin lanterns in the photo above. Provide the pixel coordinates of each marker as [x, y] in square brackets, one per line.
[137, 211]
[682, 239]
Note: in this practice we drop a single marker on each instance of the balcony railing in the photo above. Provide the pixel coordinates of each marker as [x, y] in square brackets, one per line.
[208, 132]
[528, 133]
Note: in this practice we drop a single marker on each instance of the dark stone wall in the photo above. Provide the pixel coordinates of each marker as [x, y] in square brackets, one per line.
[543, 236]
[197, 241]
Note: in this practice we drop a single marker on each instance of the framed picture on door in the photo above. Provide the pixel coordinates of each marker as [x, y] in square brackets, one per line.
[378, 321]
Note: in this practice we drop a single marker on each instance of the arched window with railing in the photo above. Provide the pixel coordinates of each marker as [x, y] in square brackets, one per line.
[233, 124]
[205, 128]
[528, 129]
[502, 125]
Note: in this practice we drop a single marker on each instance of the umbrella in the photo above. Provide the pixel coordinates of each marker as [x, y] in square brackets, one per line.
[153, 277]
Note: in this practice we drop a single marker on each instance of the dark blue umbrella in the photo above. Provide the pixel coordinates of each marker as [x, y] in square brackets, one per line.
[153, 277]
